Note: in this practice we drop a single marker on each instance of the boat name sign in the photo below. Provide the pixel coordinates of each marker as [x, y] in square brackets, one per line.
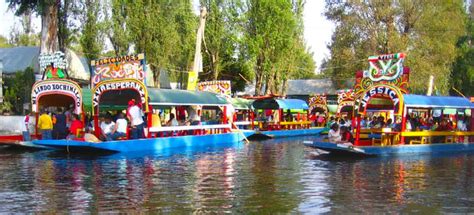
[64, 88]
[118, 85]
[380, 90]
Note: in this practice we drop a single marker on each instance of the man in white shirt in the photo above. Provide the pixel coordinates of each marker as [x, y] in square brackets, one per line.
[120, 128]
[136, 120]
[107, 127]
[26, 128]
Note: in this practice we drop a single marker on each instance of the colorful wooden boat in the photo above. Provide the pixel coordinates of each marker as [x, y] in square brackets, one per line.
[383, 89]
[155, 145]
[278, 126]
[113, 88]
[53, 90]
[395, 150]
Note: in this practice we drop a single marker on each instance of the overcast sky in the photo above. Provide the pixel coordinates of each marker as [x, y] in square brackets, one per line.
[317, 31]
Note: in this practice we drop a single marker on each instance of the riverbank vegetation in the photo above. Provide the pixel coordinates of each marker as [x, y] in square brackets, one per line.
[261, 41]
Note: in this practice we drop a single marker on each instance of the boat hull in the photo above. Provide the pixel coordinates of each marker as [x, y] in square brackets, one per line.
[438, 148]
[287, 133]
[153, 144]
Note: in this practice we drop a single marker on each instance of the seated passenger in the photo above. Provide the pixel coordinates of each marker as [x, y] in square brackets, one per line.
[76, 127]
[107, 126]
[334, 135]
[172, 121]
[119, 130]
[346, 135]
[288, 116]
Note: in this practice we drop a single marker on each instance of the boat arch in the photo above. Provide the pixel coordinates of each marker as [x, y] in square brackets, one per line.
[384, 91]
[134, 85]
[56, 92]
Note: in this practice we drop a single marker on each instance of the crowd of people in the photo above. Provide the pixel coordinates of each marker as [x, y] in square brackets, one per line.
[340, 127]
[59, 124]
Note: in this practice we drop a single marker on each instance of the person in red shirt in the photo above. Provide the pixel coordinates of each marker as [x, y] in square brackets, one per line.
[76, 127]
[346, 135]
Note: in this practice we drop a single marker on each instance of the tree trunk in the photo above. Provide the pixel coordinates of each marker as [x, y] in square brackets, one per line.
[258, 84]
[268, 84]
[259, 75]
[284, 87]
[215, 66]
[63, 26]
[49, 29]
[156, 75]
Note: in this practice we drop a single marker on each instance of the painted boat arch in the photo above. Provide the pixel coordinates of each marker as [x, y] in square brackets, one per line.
[384, 91]
[54, 87]
[118, 85]
[318, 103]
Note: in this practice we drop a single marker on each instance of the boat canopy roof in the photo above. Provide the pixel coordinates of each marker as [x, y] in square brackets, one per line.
[164, 97]
[241, 104]
[274, 104]
[169, 97]
[422, 101]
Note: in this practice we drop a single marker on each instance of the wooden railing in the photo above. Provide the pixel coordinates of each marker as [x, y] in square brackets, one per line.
[285, 125]
[189, 130]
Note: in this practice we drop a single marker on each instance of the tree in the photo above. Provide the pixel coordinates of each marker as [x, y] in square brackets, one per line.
[463, 67]
[48, 10]
[4, 42]
[425, 30]
[218, 39]
[272, 35]
[90, 41]
[155, 31]
[18, 89]
[115, 26]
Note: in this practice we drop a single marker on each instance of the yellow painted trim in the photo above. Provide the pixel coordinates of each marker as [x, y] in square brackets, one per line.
[296, 123]
[436, 133]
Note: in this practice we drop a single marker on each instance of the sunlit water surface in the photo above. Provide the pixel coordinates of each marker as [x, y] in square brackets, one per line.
[261, 177]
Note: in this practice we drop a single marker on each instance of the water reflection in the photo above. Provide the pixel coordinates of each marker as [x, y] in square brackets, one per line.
[267, 177]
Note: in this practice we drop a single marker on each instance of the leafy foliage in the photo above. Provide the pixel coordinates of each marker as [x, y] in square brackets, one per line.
[426, 31]
[463, 67]
[18, 89]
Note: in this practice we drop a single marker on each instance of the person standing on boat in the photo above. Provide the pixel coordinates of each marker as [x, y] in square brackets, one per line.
[60, 126]
[26, 129]
[136, 120]
[45, 124]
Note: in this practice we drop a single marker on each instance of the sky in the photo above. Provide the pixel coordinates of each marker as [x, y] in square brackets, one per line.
[317, 29]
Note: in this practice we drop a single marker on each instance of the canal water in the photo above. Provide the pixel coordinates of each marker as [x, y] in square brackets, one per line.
[275, 176]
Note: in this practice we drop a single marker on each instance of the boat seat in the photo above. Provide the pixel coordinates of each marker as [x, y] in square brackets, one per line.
[449, 139]
[376, 141]
[422, 140]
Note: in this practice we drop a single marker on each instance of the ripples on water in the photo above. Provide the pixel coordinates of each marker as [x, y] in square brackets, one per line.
[266, 177]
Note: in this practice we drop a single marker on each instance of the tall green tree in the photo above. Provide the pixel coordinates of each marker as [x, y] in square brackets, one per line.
[115, 25]
[48, 10]
[272, 32]
[18, 89]
[90, 42]
[463, 67]
[154, 30]
[426, 31]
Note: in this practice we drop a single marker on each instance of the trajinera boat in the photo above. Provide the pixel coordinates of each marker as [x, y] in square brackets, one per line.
[421, 124]
[116, 81]
[54, 90]
[277, 117]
